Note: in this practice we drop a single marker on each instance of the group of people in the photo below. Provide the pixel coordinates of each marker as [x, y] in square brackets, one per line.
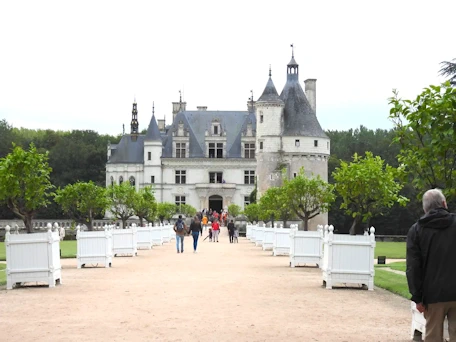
[201, 221]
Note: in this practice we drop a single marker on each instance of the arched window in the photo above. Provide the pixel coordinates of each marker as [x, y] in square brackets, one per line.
[120, 180]
[112, 180]
[132, 181]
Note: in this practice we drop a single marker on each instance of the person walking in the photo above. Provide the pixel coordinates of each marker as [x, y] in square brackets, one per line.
[431, 270]
[180, 228]
[231, 231]
[215, 230]
[196, 230]
[204, 222]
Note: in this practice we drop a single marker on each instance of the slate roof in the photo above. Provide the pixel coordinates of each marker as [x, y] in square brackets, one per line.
[153, 133]
[270, 93]
[129, 151]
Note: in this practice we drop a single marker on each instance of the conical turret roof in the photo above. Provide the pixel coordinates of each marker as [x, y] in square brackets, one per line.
[153, 133]
[270, 93]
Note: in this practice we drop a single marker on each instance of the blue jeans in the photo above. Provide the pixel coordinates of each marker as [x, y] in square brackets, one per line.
[195, 239]
[181, 239]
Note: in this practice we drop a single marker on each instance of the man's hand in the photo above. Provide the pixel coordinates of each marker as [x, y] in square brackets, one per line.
[420, 307]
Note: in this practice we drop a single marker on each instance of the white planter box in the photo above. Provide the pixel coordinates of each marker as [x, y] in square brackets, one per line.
[259, 233]
[172, 233]
[94, 247]
[268, 239]
[305, 247]
[348, 259]
[166, 234]
[157, 239]
[419, 323]
[248, 231]
[124, 241]
[144, 237]
[253, 233]
[281, 245]
[33, 258]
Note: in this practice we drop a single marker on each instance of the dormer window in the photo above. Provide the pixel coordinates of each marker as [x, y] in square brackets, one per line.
[180, 150]
[216, 130]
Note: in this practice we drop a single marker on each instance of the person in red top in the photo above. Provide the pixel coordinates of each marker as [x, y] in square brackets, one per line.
[215, 230]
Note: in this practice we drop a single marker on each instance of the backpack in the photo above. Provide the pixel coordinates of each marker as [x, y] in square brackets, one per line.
[180, 225]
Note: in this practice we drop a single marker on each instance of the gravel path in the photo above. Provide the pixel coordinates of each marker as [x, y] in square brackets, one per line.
[225, 292]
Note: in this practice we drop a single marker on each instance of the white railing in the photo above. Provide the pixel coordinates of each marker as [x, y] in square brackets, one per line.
[305, 247]
[259, 233]
[94, 247]
[33, 257]
[268, 239]
[124, 241]
[144, 237]
[281, 245]
[157, 239]
[348, 259]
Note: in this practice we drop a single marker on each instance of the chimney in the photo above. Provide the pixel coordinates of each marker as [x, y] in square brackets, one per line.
[178, 107]
[202, 108]
[311, 93]
[250, 106]
[161, 125]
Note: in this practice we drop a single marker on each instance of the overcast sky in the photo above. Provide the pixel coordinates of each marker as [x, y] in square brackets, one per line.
[79, 65]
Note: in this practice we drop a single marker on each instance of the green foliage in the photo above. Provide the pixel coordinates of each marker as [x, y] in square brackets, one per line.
[252, 211]
[308, 197]
[449, 69]
[186, 210]
[83, 201]
[2, 274]
[145, 206]
[234, 210]
[367, 188]
[395, 283]
[426, 133]
[121, 201]
[165, 211]
[24, 182]
[274, 205]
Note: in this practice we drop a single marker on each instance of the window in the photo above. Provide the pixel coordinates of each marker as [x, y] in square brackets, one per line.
[261, 145]
[215, 129]
[315, 143]
[152, 179]
[149, 155]
[132, 181]
[261, 118]
[327, 145]
[180, 150]
[249, 151]
[215, 177]
[112, 180]
[297, 143]
[180, 200]
[219, 150]
[246, 201]
[120, 180]
[215, 150]
[181, 177]
[294, 175]
[249, 177]
[211, 150]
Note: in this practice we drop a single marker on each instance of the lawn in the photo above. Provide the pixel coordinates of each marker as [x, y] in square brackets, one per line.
[2, 274]
[68, 249]
[392, 250]
[392, 282]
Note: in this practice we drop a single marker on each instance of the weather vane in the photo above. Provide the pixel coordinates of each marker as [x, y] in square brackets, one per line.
[292, 51]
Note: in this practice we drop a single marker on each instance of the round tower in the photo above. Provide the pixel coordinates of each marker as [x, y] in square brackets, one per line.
[152, 157]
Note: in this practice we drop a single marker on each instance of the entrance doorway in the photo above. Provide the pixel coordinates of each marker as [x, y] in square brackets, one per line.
[216, 203]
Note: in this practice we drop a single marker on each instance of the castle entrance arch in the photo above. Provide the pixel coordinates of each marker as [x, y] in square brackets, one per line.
[216, 203]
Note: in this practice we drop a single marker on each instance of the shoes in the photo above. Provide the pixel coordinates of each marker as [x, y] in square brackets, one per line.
[182, 251]
[178, 252]
[194, 251]
[217, 240]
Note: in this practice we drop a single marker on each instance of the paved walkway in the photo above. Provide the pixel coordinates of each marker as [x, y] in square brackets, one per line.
[225, 292]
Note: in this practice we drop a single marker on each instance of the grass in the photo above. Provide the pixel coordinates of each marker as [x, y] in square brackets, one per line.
[68, 249]
[2, 274]
[392, 250]
[395, 283]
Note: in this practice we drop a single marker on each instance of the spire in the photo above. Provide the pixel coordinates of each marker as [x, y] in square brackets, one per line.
[134, 119]
[153, 108]
[153, 132]
[270, 93]
[292, 68]
[269, 70]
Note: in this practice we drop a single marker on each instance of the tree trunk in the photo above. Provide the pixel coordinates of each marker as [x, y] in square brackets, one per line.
[140, 221]
[284, 223]
[306, 224]
[90, 224]
[124, 223]
[356, 226]
[28, 223]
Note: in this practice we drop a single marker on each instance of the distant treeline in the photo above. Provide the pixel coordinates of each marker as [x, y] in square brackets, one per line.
[81, 156]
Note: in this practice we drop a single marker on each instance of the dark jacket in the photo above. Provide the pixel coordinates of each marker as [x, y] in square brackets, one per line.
[196, 227]
[431, 256]
[231, 227]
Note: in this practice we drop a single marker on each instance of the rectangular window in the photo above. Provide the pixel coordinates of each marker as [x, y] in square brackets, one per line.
[149, 155]
[297, 142]
[215, 129]
[294, 175]
[261, 145]
[261, 118]
[215, 177]
[315, 143]
[249, 177]
[181, 177]
[180, 200]
[180, 150]
[249, 151]
[219, 150]
[246, 201]
[211, 150]
[152, 179]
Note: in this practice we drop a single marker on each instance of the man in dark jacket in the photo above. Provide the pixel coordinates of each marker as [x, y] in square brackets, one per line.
[431, 265]
[231, 231]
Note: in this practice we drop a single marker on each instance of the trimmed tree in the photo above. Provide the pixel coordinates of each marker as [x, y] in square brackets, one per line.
[144, 205]
[187, 210]
[83, 201]
[426, 132]
[122, 199]
[24, 183]
[274, 205]
[165, 211]
[367, 187]
[252, 211]
[308, 197]
[234, 210]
